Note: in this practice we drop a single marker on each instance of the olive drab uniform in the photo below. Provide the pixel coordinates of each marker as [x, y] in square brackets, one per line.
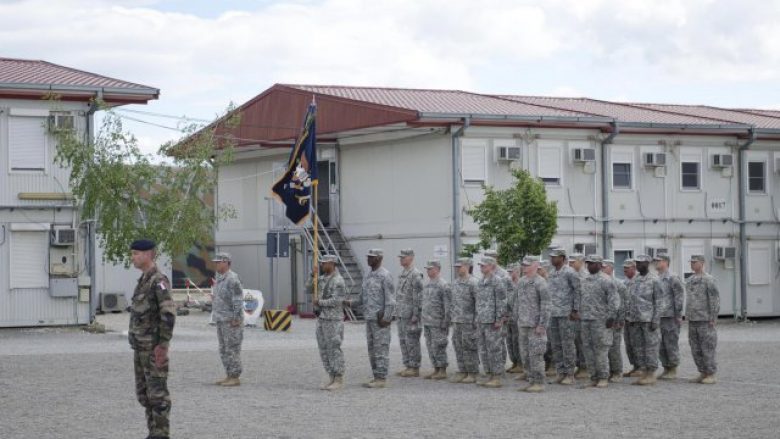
[152, 317]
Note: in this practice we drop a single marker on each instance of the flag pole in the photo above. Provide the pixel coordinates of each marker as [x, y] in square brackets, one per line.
[313, 204]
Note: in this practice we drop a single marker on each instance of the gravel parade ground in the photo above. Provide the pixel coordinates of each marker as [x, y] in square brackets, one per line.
[66, 383]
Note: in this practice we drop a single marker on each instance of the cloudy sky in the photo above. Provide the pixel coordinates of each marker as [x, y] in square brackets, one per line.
[203, 54]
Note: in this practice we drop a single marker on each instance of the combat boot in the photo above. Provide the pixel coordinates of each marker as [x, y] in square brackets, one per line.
[411, 372]
[534, 388]
[646, 379]
[521, 376]
[430, 375]
[515, 368]
[369, 383]
[441, 374]
[581, 373]
[616, 378]
[709, 379]
[326, 385]
[669, 373]
[401, 373]
[458, 377]
[567, 380]
[698, 379]
[377, 383]
[221, 381]
[470, 378]
[338, 383]
[493, 383]
[633, 373]
[231, 382]
[550, 372]
[601, 384]
[650, 378]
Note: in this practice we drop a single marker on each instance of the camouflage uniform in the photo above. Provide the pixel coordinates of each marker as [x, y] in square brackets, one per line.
[582, 363]
[491, 308]
[408, 307]
[228, 306]
[702, 308]
[564, 288]
[378, 295]
[643, 313]
[672, 298]
[532, 309]
[512, 331]
[615, 355]
[600, 304]
[626, 329]
[152, 317]
[330, 322]
[436, 320]
[464, 332]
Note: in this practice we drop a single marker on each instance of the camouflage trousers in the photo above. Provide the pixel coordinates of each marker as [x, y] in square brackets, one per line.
[561, 334]
[581, 362]
[378, 340]
[230, 339]
[644, 343]
[670, 343]
[330, 334]
[436, 342]
[464, 341]
[151, 390]
[627, 342]
[596, 341]
[513, 343]
[532, 347]
[615, 355]
[491, 349]
[703, 339]
[409, 339]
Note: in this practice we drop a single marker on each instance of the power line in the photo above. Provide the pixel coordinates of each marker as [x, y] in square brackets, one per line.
[167, 116]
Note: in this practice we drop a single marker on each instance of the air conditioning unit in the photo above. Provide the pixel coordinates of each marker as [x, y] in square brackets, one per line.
[655, 251]
[585, 248]
[722, 160]
[63, 237]
[62, 122]
[112, 302]
[655, 159]
[508, 153]
[584, 155]
[722, 253]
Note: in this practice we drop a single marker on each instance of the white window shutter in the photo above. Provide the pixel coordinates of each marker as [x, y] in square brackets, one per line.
[27, 143]
[474, 161]
[29, 250]
[550, 159]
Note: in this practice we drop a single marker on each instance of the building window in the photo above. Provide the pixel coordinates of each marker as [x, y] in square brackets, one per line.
[474, 161]
[690, 175]
[757, 177]
[27, 143]
[550, 159]
[621, 175]
[621, 256]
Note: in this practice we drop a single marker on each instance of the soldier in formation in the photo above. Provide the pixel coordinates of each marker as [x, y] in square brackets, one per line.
[532, 314]
[436, 319]
[408, 313]
[644, 320]
[227, 307]
[702, 312]
[512, 336]
[615, 350]
[463, 317]
[330, 326]
[491, 317]
[564, 290]
[672, 297]
[599, 307]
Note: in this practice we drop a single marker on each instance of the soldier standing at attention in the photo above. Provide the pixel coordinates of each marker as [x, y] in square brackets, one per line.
[436, 319]
[228, 313]
[378, 301]
[673, 295]
[598, 312]
[512, 336]
[702, 311]
[532, 314]
[464, 331]
[407, 311]
[491, 316]
[615, 355]
[564, 288]
[644, 313]
[330, 321]
[152, 317]
[577, 263]
[629, 270]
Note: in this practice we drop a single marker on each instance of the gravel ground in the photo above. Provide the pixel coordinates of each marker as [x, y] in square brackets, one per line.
[65, 383]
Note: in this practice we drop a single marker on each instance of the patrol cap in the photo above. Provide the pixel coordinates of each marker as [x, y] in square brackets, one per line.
[406, 252]
[661, 257]
[594, 258]
[609, 262]
[558, 252]
[460, 262]
[328, 258]
[576, 257]
[643, 258]
[487, 260]
[628, 263]
[143, 245]
[433, 263]
[221, 257]
[530, 260]
[493, 253]
[513, 266]
[376, 252]
[697, 258]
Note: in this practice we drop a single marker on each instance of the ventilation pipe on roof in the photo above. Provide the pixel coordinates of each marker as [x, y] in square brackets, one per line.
[456, 211]
[742, 190]
[605, 190]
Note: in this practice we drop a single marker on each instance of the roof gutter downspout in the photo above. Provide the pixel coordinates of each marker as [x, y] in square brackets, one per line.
[605, 242]
[94, 106]
[456, 211]
[742, 225]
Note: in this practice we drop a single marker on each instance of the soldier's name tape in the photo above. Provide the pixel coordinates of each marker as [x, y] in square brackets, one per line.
[277, 320]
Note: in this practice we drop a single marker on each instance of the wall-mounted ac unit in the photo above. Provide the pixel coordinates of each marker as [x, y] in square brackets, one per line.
[112, 302]
[723, 253]
[722, 160]
[654, 159]
[62, 237]
[656, 251]
[585, 248]
[508, 153]
[582, 155]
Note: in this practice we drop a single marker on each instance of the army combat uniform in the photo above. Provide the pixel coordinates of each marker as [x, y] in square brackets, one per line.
[615, 352]
[491, 309]
[599, 305]
[531, 310]
[378, 297]
[644, 317]
[436, 321]
[702, 311]
[330, 324]
[152, 318]
[672, 297]
[512, 338]
[408, 313]
[464, 332]
[227, 307]
[564, 288]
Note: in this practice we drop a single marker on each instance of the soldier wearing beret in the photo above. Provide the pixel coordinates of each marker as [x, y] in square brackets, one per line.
[152, 317]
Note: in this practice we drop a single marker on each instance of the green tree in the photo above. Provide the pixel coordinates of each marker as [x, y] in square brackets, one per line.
[132, 195]
[519, 220]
